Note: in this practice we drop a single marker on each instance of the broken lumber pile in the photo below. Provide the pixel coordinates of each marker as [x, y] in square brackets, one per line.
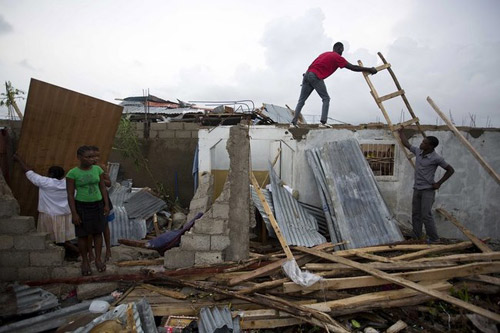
[432, 287]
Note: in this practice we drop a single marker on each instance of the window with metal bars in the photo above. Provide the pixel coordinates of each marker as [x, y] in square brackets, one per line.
[380, 157]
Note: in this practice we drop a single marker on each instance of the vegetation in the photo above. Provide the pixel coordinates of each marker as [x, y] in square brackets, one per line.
[130, 147]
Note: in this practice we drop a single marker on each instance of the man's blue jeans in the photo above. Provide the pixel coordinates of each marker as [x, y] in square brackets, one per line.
[311, 82]
[421, 213]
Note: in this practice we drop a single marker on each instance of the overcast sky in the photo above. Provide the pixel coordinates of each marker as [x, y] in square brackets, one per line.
[258, 50]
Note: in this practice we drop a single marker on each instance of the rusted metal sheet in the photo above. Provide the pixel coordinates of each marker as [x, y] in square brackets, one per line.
[56, 122]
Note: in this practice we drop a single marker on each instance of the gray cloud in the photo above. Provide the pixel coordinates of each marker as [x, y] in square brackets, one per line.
[24, 63]
[5, 26]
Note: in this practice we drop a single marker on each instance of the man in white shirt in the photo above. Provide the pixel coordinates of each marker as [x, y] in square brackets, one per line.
[54, 215]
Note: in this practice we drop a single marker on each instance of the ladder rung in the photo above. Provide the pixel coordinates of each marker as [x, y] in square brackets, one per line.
[382, 67]
[405, 123]
[391, 95]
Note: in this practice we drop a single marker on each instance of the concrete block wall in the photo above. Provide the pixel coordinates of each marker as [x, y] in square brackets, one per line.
[206, 242]
[26, 254]
[180, 130]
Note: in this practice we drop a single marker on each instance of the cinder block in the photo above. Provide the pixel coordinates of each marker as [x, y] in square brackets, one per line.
[199, 205]
[220, 210]
[209, 226]
[194, 134]
[6, 242]
[154, 134]
[66, 271]
[8, 274]
[208, 258]
[31, 241]
[139, 133]
[175, 126]
[219, 242]
[8, 207]
[195, 242]
[177, 258]
[17, 225]
[14, 258]
[166, 134]
[94, 290]
[139, 125]
[158, 126]
[33, 273]
[191, 126]
[183, 134]
[53, 256]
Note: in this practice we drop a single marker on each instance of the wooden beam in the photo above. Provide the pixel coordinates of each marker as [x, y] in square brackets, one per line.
[433, 250]
[384, 248]
[271, 218]
[483, 247]
[397, 326]
[391, 95]
[425, 275]
[486, 278]
[376, 297]
[382, 67]
[374, 257]
[466, 143]
[164, 291]
[255, 324]
[463, 257]
[147, 262]
[406, 283]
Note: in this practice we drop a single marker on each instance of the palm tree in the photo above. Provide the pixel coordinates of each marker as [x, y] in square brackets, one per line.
[9, 98]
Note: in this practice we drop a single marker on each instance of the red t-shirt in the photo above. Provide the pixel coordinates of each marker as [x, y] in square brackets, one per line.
[326, 64]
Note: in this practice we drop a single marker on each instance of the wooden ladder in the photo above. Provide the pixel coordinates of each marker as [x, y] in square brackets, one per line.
[380, 99]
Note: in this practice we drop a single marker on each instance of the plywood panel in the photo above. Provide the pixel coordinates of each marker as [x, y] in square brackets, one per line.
[56, 122]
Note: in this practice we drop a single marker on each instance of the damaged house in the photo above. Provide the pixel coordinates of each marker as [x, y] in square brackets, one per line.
[336, 201]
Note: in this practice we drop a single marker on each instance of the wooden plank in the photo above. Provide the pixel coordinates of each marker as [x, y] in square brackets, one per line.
[486, 278]
[268, 269]
[382, 67]
[405, 123]
[271, 218]
[376, 297]
[384, 248]
[396, 266]
[406, 283]
[425, 275]
[56, 122]
[466, 143]
[463, 257]
[397, 327]
[483, 247]
[434, 250]
[374, 257]
[254, 324]
[391, 95]
[164, 291]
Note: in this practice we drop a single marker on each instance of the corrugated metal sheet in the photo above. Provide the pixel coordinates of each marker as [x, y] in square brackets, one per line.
[113, 169]
[260, 207]
[215, 319]
[278, 113]
[143, 205]
[320, 217]
[56, 122]
[349, 188]
[22, 299]
[297, 226]
[142, 313]
[50, 320]
[122, 226]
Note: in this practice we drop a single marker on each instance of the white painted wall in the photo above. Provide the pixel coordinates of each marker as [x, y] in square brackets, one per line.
[470, 194]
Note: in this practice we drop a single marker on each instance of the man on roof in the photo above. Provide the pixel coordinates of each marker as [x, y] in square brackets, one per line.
[321, 68]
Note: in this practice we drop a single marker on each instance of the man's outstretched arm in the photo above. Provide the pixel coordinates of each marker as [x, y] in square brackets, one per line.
[356, 68]
[403, 138]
